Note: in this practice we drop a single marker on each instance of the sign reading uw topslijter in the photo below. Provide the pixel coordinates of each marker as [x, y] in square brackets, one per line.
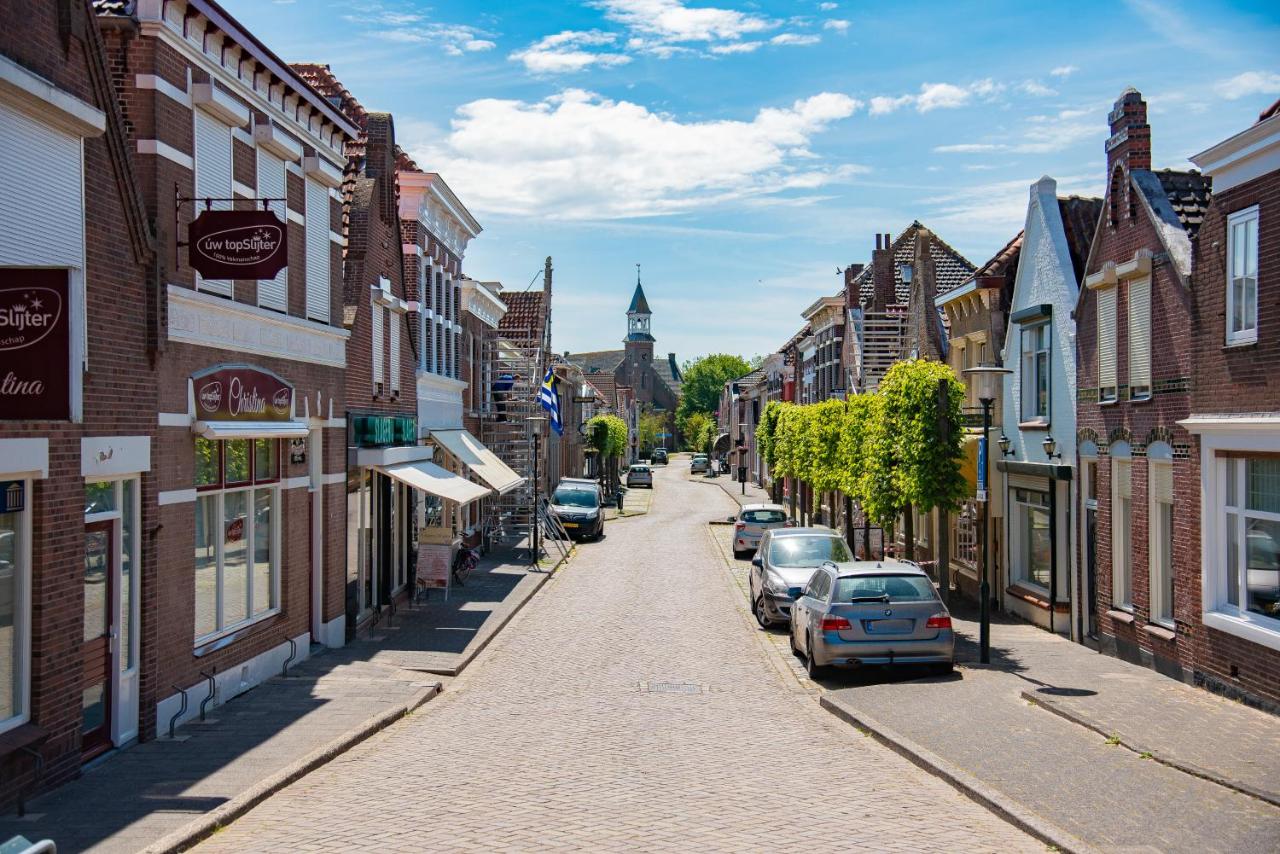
[238, 245]
[35, 344]
[241, 393]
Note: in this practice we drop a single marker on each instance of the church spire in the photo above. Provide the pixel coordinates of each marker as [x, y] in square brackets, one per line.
[638, 314]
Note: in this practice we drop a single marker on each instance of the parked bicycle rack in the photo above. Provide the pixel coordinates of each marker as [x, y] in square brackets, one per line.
[173, 721]
[35, 782]
[213, 689]
[293, 653]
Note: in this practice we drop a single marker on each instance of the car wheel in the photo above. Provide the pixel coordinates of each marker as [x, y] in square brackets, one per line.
[942, 668]
[739, 554]
[791, 638]
[812, 668]
[762, 613]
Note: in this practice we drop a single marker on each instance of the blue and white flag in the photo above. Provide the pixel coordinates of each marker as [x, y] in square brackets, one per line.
[549, 396]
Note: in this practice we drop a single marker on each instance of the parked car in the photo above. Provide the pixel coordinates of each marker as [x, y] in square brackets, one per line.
[871, 612]
[783, 565]
[578, 505]
[659, 456]
[699, 463]
[640, 475]
[751, 522]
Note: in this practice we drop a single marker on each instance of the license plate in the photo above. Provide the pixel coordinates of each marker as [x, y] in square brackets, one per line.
[570, 524]
[881, 627]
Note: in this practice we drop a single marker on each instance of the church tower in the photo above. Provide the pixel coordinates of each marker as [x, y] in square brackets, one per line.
[639, 343]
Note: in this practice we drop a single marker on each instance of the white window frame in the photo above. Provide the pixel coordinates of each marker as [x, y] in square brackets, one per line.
[1122, 532]
[1159, 538]
[22, 613]
[1030, 372]
[1248, 332]
[1108, 373]
[1020, 562]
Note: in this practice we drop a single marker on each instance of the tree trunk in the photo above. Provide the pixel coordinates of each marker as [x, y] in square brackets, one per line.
[908, 534]
[848, 521]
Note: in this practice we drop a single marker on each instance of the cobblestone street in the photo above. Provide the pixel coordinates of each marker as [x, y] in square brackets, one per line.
[630, 706]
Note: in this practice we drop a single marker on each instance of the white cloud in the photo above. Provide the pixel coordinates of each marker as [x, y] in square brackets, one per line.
[1036, 88]
[673, 21]
[840, 26]
[1248, 83]
[569, 50]
[476, 45]
[967, 148]
[737, 47]
[1063, 71]
[578, 155]
[795, 39]
[827, 7]
[1042, 135]
[939, 96]
[935, 96]
[412, 28]
[883, 105]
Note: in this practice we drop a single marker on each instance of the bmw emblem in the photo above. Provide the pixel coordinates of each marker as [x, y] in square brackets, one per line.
[888, 612]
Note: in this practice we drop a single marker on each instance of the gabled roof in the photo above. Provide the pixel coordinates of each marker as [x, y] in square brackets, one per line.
[598, 362]
[1177, 202]
[525, 312]
[1000, 263]
[639, 305]
[669, 372]
[950, 267]
[1080, 220]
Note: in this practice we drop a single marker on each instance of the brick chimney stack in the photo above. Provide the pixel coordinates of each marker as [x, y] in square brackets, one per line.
[886, 291]
[850, 290]
[1130, 142]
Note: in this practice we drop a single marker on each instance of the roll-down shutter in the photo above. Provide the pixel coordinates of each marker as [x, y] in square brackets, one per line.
[393, 363]
[1140, 335]
[318, 283]
[273, 293]
[375, 312]
[41, 204]
[213, 177]
[1107, 337]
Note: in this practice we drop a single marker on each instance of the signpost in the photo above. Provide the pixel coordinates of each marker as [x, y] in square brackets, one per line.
[35, 344]
[238, 244]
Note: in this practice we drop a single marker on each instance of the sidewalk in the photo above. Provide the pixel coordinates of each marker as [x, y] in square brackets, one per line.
[162, 794]
[1113, 754]
[754, 494]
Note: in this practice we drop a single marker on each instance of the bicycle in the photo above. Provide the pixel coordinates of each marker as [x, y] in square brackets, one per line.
[466, 560]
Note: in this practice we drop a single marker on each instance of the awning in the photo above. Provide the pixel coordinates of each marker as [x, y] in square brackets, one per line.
[722, 442]
[251, 429]
[432, 479]
[474, 455]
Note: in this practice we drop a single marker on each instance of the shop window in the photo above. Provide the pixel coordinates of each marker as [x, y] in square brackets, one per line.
[15, 613]
[1033, 550]
[237, 525]
[1251, 518]
[1242, 276]
[1035, 372]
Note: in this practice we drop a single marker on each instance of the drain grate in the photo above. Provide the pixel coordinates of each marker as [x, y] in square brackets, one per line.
[672, 688]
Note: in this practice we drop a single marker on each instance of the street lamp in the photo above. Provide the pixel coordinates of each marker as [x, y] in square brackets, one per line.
[535, 547]
[988, 382]
[1004, 443]
[1050, 445]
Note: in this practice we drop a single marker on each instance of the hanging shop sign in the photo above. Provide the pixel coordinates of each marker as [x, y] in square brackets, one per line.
[238, 244]
[297, 451]
[35, 344]
[241, 393]
[379, 431]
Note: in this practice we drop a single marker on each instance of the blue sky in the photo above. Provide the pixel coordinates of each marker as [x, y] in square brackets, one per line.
[744, 151]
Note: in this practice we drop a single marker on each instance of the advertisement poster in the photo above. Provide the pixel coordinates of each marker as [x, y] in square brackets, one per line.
[35, 344]
[433, 564]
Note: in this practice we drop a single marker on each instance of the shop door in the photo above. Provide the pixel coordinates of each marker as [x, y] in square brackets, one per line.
[383, 509]
[1091, 570]
[99, 633]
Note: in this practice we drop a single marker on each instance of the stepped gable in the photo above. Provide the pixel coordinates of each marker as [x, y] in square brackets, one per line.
[951, 269]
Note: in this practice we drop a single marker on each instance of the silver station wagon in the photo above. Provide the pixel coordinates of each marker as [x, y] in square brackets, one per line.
[871, 612]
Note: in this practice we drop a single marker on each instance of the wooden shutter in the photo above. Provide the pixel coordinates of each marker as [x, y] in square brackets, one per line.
[1106, 337]
[1160, 473]
[213, 177]
[318, 274]
[273, 293]
[375, 314]
[393, 364]
[1139, 334]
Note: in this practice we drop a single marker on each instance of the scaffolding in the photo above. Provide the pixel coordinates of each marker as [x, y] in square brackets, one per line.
[514, 363]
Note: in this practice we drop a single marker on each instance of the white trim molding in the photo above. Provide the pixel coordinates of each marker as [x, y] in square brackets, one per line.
[1250, 154]
[210, 321]
[220, 105]
[176, 496]
[168, 152]
[24, 458]
[158, 84]
[111, 456]
[30, 93]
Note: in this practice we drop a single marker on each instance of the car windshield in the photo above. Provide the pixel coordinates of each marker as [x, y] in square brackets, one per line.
[807, 551]
[574, 497]
[884, 588]
[640, 469]
[763, 517]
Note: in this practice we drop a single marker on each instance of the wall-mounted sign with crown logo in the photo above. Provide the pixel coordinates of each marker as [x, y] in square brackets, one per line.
[35, 344]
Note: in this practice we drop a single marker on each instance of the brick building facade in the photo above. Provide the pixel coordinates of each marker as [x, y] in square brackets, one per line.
[78, 406]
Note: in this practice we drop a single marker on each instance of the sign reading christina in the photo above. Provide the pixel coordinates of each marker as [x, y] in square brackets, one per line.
[238, 245]
[241, 393]
[35, 344]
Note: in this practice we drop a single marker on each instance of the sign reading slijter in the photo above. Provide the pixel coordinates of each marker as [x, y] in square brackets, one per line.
[241, 393]
[35, 344]
[238, 245]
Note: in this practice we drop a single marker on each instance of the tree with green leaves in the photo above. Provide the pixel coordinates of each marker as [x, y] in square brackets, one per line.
[692, 430]
[651, 424]
[703, 383]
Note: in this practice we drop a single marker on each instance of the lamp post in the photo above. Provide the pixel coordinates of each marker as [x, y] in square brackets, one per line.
[987, 381]
[535, 528]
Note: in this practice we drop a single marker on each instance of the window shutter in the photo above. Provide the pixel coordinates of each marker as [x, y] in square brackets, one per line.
[1107, 337]
[42, 204]
[1139, 333]
[1161, 477]
[273, 293]
[318, 281]
[375, 313]
[1122, 472]
[393, 363]
[213, 177]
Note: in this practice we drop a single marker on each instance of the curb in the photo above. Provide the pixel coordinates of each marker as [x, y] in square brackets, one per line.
[502, 624]
[968, 785]
[1049, 705]
[202, 827]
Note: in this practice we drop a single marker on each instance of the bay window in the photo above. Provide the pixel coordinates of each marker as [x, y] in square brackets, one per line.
[237, 552]
[1242, 276]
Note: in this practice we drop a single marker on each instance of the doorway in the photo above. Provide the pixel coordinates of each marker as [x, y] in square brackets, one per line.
[1091, 569]
[99, 631]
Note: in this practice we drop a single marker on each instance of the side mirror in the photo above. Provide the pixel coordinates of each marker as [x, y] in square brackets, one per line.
[732, 519]
[758, 561]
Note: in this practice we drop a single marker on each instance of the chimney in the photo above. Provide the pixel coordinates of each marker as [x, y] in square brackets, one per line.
[1129, 145]
[885, 293]
[850, 294]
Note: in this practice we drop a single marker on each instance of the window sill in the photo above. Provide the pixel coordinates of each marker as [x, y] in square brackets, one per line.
[213, 643]
[1243, 344]
[1146, 399]
[1160, 631]
[1034, 595]
[1259, 630]
[1033, 425]
[1121, 616]
[21, 736]
[1108, 402]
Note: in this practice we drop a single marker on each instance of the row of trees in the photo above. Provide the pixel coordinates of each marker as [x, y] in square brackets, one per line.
[607, 436]
[891, 451]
